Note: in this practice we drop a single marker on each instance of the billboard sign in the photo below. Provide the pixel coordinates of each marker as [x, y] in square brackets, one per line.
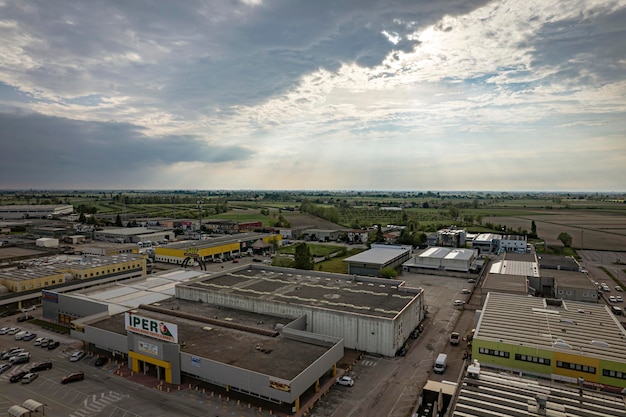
[153, 328]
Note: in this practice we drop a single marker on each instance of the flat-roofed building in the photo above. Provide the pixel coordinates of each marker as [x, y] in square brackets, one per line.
[372, 261]
[557, 339]
[272, 333]
[570, 285]
[487, 243]
[22, 211]
[133, 234]
[514, 243]
[442, 259]
[504, 283]
[563, 263]
[451, 237]
[221, 247]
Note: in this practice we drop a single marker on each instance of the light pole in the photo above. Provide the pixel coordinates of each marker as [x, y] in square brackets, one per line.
[200, 201]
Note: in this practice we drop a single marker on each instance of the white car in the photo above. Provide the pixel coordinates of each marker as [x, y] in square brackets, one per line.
[612, 299]
[618, 288]
[345, 381]
[4, 330]
[459, 302]
[39, 340]
[76, 356]
[465, 291]
[619, 298]
[13, 330]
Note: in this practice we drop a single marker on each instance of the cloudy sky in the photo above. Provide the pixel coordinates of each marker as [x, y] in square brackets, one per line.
[300, 94]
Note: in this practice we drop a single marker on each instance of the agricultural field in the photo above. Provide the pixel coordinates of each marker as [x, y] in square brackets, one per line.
[598, 231]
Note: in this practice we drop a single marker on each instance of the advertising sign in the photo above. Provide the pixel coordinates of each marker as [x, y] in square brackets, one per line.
[50, 297]
[152, 328]
[149, 348]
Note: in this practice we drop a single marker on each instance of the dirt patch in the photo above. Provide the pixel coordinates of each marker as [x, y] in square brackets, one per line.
[300, 220]
[588, 231]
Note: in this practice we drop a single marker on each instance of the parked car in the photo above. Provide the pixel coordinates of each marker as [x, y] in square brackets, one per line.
[17, 377]
[13, 330]
[43, 366]
[20, 335]
[101, 361]
[25, 317]
[471, 281]
[29, 336]
[612, 299]
[76, 356]
[618, 288]
[345, 381]
[235, 261]
[44, 343]
[53, 345]
[5, 367]
[465, 291]
[459, 302]
[23, 357]
[619, 298]
[455, 338]
[28, 378]
[39, 340]
[4, 330]
[77, 376]
[11, 352]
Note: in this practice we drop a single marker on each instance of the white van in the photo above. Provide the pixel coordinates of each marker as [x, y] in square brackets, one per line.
[441, 363]
[20, 335]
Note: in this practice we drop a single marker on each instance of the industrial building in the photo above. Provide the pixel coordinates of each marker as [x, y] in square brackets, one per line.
[133, 234]
[485, 393]
[566, 341]
[42, 273]
[270, 333]
[443, 259]
[372, 261]
[514, 243]
[451, 237]
[25, 211]
[487, 243]
[222, 247]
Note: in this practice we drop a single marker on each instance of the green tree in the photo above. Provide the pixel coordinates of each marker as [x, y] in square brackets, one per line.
[454, 213]
[388, 272]
[118, 221]
[303, 258]
[533, 229]
[82, 218]
[379, 237]
[565, 238]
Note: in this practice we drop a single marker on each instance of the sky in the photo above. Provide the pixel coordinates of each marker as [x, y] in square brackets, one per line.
[313, 95]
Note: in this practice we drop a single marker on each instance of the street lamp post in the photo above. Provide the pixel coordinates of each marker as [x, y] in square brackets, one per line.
[200, 201]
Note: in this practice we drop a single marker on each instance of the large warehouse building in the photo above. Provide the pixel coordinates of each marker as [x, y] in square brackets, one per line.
[371, 262]
[268, 332]
[442, 259]
[562, 340]
[25, 211]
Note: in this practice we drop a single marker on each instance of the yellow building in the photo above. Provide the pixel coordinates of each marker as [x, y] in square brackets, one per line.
[568, 341]
[54, 273]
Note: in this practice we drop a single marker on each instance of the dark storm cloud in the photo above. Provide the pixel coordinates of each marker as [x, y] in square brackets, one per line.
[47, 149]
[203, 55]
[588, 51]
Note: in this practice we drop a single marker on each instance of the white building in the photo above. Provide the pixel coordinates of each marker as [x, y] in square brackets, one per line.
[442, 259]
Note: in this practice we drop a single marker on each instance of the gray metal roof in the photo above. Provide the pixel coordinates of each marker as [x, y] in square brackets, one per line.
[448, 253]
[584, 328]
[498, 394]
[378, 255]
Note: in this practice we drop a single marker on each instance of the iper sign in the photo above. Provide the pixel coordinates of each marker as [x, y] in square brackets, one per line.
[152, 328]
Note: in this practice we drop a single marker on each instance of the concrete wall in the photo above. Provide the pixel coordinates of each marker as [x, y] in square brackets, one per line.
[70, 305]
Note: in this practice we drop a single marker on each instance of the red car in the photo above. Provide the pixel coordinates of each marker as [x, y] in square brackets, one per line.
[78, 376]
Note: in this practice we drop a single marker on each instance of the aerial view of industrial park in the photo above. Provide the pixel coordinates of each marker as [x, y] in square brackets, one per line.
[255, 208]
